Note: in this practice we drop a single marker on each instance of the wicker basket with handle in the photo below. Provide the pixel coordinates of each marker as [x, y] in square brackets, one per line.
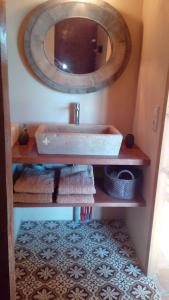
[122, 184]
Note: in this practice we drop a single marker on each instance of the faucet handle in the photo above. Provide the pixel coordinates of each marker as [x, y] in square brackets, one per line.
[77, 106]
[77, 113]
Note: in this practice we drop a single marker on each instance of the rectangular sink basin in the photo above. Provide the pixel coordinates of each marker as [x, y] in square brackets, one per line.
[78, 139]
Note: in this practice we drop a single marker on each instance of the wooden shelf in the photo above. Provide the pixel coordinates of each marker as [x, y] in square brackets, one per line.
[101, 200]
[134, 156]
[28, 154]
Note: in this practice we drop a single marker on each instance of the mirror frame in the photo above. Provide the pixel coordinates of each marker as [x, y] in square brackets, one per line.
[51, 12]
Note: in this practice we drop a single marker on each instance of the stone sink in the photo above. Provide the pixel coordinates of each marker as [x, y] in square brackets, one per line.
[78, 139]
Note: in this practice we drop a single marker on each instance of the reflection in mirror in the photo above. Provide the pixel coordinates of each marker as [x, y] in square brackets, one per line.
[77, 45]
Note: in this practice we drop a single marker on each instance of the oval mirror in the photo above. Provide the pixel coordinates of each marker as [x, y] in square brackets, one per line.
[77, 46]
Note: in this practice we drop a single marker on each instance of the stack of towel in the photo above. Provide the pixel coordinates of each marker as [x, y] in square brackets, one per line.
[35, 185]
[76, 184]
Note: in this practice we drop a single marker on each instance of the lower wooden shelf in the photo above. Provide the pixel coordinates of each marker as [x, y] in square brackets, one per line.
[101, 200]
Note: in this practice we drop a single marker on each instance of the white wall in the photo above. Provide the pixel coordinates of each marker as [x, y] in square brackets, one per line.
[159, 248]
[31, 101]
[151, 94]
[17, 221]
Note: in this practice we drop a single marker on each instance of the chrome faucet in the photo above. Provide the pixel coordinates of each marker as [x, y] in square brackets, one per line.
[77, 113]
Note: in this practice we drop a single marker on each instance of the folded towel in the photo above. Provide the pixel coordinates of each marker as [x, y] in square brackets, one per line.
[75, 199]
[77, 184]
[32, 198]
[75, 169]
[34, 180]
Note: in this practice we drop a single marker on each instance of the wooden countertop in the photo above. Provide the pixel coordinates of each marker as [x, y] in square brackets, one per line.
[28, 154]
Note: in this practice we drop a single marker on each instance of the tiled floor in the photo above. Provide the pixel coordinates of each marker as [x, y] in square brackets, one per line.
[65, 260]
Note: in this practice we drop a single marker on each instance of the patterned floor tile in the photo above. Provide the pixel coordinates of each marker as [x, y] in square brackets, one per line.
[57, 260]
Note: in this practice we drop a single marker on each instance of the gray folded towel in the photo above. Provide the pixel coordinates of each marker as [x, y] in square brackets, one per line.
[75, 199]
[32, 198]
[35, 180]
[75, 169]
[81, 183]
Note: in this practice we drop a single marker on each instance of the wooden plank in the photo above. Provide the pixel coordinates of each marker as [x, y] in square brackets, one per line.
[113, 203]
[7, 271]
[101, 200]
[28, 154]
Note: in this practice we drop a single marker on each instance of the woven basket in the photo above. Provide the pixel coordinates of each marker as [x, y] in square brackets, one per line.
[121, 183]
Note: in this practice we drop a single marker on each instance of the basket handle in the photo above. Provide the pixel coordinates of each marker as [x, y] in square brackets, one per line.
[125, 171]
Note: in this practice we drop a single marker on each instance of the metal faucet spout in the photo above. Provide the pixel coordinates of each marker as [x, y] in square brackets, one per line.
[77, 113]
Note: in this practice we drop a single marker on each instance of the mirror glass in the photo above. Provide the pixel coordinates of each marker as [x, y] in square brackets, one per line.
[77, 45]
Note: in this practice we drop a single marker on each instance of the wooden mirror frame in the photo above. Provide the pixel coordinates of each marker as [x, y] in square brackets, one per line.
[51, 12]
